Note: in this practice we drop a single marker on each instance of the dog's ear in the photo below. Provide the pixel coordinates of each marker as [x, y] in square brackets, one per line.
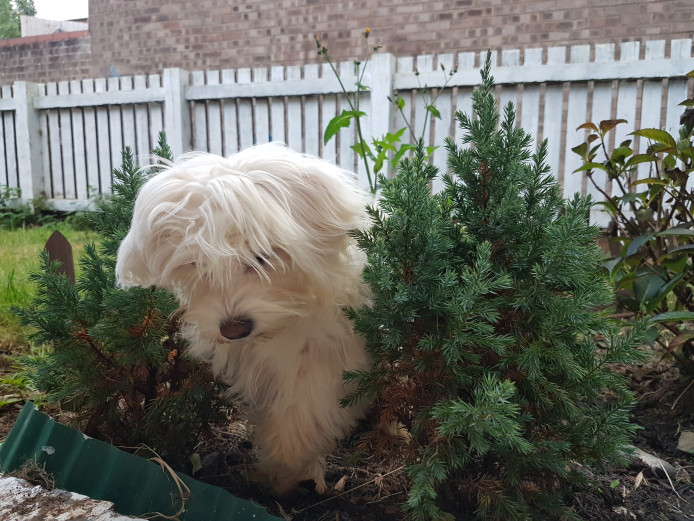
[330, 202]
[131, 267]
[144, 259]
[321, 198]
[162, 216]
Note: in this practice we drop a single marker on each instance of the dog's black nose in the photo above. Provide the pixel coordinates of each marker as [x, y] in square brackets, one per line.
[235, 328]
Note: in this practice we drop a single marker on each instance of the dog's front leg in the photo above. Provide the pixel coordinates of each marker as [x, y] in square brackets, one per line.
[291, 449]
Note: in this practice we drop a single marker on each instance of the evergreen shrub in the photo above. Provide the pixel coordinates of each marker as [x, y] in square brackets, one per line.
[116, 358]
[487, 344]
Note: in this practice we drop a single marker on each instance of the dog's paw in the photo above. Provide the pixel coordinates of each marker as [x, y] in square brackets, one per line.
[321, 487]
[284, 482]
[276, 484]
[395, 430]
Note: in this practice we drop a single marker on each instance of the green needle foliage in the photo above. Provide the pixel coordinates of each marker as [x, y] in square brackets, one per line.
[483, 328]
[117, 358]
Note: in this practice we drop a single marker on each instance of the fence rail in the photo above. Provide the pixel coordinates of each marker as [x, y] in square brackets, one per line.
[61, 140]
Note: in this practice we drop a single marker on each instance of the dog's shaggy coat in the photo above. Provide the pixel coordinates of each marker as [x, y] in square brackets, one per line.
[257, 249]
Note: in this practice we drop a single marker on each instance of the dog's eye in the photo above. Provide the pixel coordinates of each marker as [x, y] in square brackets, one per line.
[260, 262]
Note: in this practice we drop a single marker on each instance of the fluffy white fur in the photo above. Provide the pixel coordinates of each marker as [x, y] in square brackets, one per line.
[257, 247]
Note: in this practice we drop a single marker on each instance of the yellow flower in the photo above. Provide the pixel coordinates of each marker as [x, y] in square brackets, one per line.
[367, 31]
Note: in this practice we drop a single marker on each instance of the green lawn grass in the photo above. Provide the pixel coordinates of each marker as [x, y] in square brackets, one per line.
[19, 256]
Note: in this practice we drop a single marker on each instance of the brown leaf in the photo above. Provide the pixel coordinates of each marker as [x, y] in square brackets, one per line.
[686, 442]
[639, 479]
[340, 485]
[609, 124]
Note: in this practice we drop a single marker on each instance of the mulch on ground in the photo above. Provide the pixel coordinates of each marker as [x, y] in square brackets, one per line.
[365, 489]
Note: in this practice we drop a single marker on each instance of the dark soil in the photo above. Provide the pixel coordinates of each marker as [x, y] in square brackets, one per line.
[364, 489]
[657, 387]
[374, 492]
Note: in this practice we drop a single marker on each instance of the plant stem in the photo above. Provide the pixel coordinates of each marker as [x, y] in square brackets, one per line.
[618, 213]
[372, 185]
[354, 106]
[407, 123]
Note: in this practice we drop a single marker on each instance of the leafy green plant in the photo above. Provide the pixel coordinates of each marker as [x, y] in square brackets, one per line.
[652, 222]
[12, 213]
[15, 213]
[389, 147]
[486, 344]
[15, 385]
[9, 193]
[10, 12]
[116, 356]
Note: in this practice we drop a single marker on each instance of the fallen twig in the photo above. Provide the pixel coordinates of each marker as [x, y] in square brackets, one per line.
[681, 395]
[670, 481]
[374, 480]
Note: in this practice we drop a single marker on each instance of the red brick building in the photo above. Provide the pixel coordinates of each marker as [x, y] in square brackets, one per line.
[145, 36]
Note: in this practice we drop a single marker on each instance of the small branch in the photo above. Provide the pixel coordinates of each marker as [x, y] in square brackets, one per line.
[83, 334]
[377, 478]
[407, 123]
[677, 197]
[669, 480]
[609, 198]
[372, 185]
[627, 314]
[681, 395]
[624, 191]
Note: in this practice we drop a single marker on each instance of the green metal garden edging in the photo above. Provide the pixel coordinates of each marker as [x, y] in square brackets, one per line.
[135, 486]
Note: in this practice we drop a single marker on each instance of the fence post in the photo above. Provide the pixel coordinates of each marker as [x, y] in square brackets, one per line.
[176, 111]
[60, 249]
[377, 121]
[28, 141]
[380, 116]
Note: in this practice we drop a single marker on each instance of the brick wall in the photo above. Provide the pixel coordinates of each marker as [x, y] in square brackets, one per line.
[143, 36]
[49, 57]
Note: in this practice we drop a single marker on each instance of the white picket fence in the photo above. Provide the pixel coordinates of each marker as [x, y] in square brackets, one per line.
[61, 140]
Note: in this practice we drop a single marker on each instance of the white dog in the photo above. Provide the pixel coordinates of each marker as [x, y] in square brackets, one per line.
[257, 249]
